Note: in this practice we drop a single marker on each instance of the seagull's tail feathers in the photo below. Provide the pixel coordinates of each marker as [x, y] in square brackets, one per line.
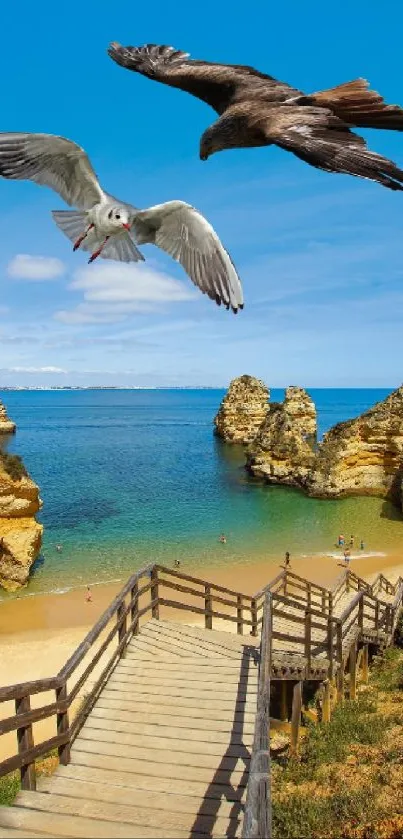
[148, 59]
[358, 105]
[73, 223]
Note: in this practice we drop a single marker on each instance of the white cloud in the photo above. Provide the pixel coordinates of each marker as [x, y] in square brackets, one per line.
[35, 370]
[112, 292]
[36, 268]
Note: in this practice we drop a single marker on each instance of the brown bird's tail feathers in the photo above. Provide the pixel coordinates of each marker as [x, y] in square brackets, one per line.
[358, 105]
[146, 59]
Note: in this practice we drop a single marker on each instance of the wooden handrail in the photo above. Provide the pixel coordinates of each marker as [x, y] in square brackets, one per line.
[200, 582]
[257, 819]
[94, 633]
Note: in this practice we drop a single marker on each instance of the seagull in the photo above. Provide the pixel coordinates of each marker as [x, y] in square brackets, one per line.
[111, 229]
[258, 110]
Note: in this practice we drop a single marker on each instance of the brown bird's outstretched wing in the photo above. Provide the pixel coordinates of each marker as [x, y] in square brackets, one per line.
[219, 85]
[326, 142]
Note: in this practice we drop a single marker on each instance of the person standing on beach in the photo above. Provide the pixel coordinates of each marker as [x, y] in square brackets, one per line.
[88, 595]
[341, 541]
[287, 559]
[362, 544]
[347, 556]
[351, 541]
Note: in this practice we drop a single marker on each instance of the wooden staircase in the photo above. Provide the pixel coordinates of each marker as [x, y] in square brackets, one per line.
[171, 736]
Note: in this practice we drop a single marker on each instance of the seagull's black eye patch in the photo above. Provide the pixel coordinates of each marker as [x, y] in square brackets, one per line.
[110, 213]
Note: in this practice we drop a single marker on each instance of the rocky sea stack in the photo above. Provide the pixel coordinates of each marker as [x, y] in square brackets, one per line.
[363, 456]
[6, 425]
[20, 533]
[243, 410]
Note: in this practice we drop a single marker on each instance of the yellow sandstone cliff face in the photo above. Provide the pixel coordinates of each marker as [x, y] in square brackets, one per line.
[243, 410]
[282, 452]
[363, 456]
[20, 534]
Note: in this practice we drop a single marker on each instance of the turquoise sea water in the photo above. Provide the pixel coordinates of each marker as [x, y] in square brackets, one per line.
[129, 477]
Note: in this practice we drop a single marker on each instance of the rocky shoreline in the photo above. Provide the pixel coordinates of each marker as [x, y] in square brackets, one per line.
[363, 456]
[20, 533]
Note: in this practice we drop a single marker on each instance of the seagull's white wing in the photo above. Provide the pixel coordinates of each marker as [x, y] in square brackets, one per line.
[187, 236]
[51, 161]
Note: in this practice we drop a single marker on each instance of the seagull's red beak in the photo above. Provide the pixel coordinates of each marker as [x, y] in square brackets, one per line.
[126, 226]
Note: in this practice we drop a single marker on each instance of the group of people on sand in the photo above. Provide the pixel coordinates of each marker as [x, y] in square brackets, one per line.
[341, 543]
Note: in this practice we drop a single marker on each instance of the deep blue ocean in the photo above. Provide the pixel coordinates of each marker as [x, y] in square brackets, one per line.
[129, 477]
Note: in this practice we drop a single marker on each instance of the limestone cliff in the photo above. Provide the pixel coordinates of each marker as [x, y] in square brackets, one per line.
[282, 451]
[20, 534]
[243, 410]
[363, 456]
[6, 425]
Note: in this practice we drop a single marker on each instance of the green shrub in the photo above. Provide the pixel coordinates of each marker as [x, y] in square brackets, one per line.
[387, 670]
[13, 465]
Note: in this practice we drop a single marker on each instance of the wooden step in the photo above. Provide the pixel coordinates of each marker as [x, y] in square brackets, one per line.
[157, 741]
[146, 692]
[153, 810]
[115, 743]
[137, 719]
[178, 678]
[202, 688]
[124, 767]
[57, 814]
[238, 642]
[167, 730]
[99, 785]
[212, 711]
[157, 769]
[187, 645]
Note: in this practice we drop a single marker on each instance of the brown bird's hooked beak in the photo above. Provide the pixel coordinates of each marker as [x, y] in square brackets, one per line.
[203, 156]
[126, 226]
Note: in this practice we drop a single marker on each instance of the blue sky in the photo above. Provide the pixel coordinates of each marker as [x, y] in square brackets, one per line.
[320, 255]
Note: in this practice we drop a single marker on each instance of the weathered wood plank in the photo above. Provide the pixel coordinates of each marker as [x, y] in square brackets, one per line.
[101, 790]
[170, 731]
[160, 757]
[121, 768]
[137, 718]
[234, 712]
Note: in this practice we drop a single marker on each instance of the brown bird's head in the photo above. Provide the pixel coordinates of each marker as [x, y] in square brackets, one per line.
[207, 145]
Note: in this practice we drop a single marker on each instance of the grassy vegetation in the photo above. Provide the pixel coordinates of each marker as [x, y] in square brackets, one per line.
[10, 784]
[347, 781]
[13, 465]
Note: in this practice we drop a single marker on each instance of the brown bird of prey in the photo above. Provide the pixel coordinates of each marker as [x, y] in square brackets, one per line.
[257, 110]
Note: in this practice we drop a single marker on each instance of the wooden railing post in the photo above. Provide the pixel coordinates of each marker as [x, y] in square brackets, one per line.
[326, 710]
[323, 601]
[253, 609]
[377, 616]
[208, 605]
[353, 672]
[361, 613]
[330, 603]
[239, 614]
[121, 620]
[364, 671]
[155, 593]
[330, 646]
[25, 742]
[134, 608]
[308, 595]
[63, 725]
[296, 717]
[285, 584]
[347, 581]
[340, 672]
[308, 634]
